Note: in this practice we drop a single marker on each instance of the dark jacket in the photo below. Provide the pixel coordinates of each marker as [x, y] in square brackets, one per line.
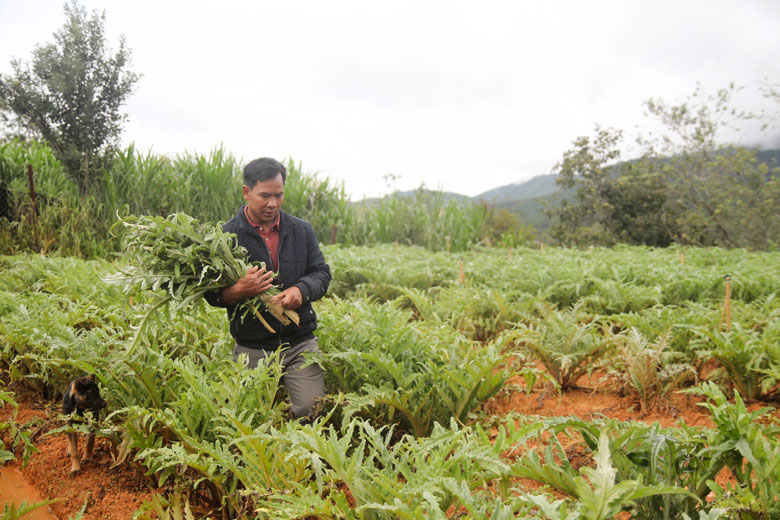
[301, 265]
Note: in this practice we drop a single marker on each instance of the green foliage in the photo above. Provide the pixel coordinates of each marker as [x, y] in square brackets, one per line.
[600, 492]
[176, 507]
[750, 358]
[650, 370]
[424, 218]
[13, 512]
[508, 230]
[361, 270]
[687, 186]
[611, 204]
[480, 315]
[418, 373]
[6, 399]
[410, 354]
[410, 478]
[202, 424]
[567, 346]
[205, 186]
[601, 497]
[749, 448]
[61, 217]
[672, 471]
[50, 178]
[208, 187]
[16, 434]
[326, 206]
[71, 93]
[187, 259]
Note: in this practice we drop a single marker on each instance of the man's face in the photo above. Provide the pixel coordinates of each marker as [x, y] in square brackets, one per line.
[264, 200]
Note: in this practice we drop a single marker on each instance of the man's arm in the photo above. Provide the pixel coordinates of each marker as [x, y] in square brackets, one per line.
[255, 281]
[314, 284]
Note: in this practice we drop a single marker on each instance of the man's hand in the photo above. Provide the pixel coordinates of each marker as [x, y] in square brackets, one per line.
[255, 281]
[291, 298]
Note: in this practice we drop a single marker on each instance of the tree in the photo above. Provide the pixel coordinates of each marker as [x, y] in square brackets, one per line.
[719, 193]
[688, 186]
[71, 93]
[508, 229]
[614, 201]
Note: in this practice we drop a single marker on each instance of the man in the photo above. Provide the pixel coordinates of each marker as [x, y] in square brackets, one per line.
[289, 247]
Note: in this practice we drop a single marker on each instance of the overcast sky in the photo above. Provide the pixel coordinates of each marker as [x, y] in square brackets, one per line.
[462, 96]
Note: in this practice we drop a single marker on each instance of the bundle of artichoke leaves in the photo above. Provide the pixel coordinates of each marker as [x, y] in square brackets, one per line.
[188, 259]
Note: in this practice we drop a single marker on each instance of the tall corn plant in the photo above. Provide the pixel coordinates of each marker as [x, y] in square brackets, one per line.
[140, 183]
[206, 186]
[324, 204]
[49, 176]
[209, 186]
[62, 220]
[425, 219]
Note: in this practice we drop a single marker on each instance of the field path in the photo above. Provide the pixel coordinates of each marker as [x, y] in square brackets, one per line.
[14, 489]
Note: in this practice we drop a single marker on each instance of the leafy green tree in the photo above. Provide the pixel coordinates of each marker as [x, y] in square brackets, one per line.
[719, 193]
[71, 92]
[584, 167]
[508, 229]
[688, 186]
[614, 201]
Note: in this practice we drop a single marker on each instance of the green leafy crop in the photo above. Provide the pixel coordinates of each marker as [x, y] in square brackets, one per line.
[188, 259]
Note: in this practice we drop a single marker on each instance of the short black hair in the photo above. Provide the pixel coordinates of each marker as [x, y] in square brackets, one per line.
[263, 169]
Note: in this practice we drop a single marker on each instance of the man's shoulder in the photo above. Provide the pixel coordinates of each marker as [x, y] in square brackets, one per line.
[234, 223]
[294, 221]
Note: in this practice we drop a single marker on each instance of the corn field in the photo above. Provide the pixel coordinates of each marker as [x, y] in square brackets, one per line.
[208, 187]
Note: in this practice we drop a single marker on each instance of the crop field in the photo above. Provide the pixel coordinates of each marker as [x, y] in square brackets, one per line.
[422, 352]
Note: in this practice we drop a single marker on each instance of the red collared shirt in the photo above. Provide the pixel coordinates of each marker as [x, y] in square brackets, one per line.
[270, 236]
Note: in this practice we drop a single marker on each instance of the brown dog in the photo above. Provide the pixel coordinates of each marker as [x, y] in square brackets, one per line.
[82, 394]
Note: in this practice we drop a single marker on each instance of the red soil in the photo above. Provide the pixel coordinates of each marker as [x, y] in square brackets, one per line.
[589, 404]
[110, 493]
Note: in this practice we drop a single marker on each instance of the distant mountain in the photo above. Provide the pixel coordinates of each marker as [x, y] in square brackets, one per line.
[539, 186]
[772, 157]
[446, 195]
[527, 199]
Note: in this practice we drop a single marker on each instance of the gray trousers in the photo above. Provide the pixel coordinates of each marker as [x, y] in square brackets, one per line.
[304, 385]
